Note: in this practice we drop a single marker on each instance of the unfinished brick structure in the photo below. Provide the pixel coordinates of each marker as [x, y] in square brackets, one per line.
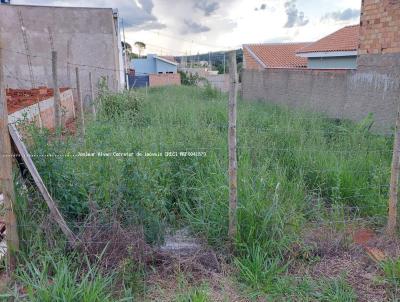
[380, 27]
[379, 46]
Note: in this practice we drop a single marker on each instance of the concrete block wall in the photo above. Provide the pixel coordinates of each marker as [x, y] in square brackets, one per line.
[156, 80]
[219, 81]
[83, 37]
[373, 88]
[339, 94]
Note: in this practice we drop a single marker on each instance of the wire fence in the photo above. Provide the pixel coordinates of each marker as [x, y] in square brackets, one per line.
[334, 195]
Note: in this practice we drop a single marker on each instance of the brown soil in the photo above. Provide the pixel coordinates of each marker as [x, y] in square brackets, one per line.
[185, 262]
[346, 253]
[18, 99]
[220, 286]
[362, 236]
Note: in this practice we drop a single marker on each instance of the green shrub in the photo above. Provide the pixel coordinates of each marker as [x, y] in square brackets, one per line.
[190, 79]
[210, 91]
[126, 104]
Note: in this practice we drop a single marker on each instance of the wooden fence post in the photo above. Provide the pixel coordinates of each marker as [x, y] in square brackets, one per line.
[394, 179]
[79, 101]
[92, 94]
[57, 97]
[6, 178]
[232, 146]
[23, 152]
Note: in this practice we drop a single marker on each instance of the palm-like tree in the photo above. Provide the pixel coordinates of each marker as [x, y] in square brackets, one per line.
[141, 46]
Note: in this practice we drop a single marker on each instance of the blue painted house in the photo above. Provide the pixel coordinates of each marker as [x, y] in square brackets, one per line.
[336, 51]
[152, 64]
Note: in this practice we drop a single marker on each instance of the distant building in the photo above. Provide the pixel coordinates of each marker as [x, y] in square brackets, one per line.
[154, 71]
[273, 55]
[336, 51]
[154, 64]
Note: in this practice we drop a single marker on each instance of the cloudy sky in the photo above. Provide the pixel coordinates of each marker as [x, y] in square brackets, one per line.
[176, 27]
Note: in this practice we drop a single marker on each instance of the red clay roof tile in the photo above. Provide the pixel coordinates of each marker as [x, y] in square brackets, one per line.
[279, 55]
[345, 39]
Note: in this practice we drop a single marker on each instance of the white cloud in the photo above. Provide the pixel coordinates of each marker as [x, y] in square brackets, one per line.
[161, 23]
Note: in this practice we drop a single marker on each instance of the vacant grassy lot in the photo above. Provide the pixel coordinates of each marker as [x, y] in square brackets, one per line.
[298, 172]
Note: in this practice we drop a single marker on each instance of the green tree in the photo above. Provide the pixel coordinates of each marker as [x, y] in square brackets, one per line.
[140, 46]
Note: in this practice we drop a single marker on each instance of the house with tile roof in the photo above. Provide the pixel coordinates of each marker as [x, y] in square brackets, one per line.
[282, 55]
[336, 51]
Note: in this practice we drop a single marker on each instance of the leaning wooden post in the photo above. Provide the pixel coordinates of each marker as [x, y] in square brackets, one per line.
[394, 179]
[6, 178]
[232, 146]
[92, 94]
[79, 101]
[57, 97]
[56, 214]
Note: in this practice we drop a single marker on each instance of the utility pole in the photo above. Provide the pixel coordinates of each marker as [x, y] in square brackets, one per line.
[6, 178]
[209, 61]
[125, 57]
[232, 111]
[57, 97]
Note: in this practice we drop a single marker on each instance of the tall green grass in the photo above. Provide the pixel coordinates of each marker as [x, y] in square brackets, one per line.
[291, 163]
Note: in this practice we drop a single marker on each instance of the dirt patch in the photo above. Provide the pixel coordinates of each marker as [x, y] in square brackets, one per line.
[363, 236]
[183, 252]
[360, 272]
[108, 244]
[218, 287]
[185, 263]
[344, 253]
[324, 241]
[390, 246]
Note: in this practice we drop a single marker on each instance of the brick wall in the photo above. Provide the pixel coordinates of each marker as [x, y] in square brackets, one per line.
[380, 27]
[339, 94]
[156, 80]
[379, 49]
[43, 112]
